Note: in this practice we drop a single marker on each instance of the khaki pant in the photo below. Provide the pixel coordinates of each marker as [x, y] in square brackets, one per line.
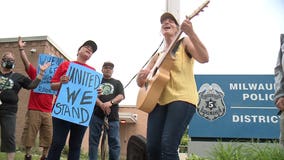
[37, 122]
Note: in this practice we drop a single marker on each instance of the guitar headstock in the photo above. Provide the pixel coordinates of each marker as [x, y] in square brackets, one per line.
[199, 9]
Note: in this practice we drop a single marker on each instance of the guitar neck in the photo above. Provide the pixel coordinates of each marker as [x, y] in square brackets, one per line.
[172, 45]
[195, 13]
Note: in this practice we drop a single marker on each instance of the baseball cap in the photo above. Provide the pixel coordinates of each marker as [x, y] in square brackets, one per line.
[108, 63]
[90, 43]
[168, 15]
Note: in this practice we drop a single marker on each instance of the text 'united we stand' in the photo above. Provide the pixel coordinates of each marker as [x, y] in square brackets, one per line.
[77, 98]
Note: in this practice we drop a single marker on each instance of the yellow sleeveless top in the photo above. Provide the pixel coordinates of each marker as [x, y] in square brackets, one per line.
[182, 85]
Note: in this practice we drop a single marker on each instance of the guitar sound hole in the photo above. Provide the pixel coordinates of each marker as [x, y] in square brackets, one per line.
[146, 85]
[154, 72]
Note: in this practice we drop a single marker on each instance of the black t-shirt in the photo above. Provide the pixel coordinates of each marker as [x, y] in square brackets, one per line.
[10, 85]
[111, 88]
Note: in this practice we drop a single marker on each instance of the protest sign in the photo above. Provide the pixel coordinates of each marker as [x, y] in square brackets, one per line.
[44, 85]
[77, 98]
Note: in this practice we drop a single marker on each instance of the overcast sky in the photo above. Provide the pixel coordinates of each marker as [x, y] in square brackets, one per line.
[242, 36]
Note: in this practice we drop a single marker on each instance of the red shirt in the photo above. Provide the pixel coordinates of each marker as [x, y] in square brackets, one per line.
[62, 69]
[38, 101]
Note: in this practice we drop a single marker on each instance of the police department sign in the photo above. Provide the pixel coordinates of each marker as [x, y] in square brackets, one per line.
[235, 106]
[211, 103]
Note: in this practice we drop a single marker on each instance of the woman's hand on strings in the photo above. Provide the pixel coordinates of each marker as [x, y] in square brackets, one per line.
[142, 77]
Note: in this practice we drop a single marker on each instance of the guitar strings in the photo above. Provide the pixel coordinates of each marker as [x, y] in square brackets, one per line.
[145, 63]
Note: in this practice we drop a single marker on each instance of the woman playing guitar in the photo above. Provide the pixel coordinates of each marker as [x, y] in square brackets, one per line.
[177, 103]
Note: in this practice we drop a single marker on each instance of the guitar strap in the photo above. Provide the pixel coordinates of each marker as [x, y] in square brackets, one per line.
[105, 129]
[145, 64]
[176, 48]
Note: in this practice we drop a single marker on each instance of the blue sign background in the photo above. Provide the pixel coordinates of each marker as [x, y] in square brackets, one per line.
[44, 85]
[249, 108]
[77, 98]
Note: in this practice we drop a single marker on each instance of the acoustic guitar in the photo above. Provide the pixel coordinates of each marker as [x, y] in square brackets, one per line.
[159, 75]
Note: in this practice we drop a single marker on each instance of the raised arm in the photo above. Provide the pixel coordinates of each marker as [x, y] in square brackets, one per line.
[193, 44]
[23, 55]
[38, 78]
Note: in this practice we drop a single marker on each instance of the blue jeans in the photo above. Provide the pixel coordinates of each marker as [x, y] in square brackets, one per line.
[61, 129]
[166, 126]
[95, 130]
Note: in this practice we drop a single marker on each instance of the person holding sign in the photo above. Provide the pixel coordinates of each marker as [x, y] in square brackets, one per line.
[177, 103]
[10, 85]
[61, 128]
[107, 106]
[38, 116]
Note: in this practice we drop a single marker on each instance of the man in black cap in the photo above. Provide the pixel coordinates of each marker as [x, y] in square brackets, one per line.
[91, 44]
[106, 110]
[61, 128]
[108, 64]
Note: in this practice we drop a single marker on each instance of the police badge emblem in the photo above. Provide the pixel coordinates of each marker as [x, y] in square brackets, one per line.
[211, 104]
